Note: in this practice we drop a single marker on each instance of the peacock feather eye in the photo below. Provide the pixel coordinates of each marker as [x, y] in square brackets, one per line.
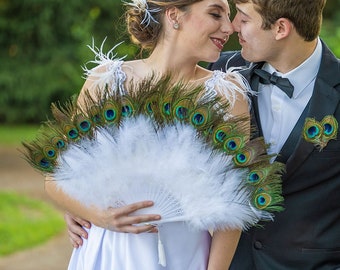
[219, 136]
[152, 107]
[312, 129]
[151, 104]
[200, 116]
[258, 175]
[42, 162]
[165, 104]
[253, 177]
[110, 111]
[94, 114]
[128, 107]
[330, 127]
[83, 123]
[50, 152]
[181, 112]
[313, 132]
[262, 200]
[183, 108]
[220, 133]
[241, 158]
[198, 119]
[110, 115]
[244, 157]
[71, 132]
[96, 118]
[166, 109]
[127, 111]
[233, 144]
[58, 142]
[149, 109]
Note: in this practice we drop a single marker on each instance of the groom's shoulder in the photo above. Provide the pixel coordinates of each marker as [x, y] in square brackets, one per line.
[229, 59]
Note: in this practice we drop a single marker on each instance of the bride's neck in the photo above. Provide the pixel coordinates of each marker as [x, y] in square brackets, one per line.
[180, 67]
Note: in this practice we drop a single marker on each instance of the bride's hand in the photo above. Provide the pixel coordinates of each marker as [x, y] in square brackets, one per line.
[115, 219]
[121, 219]
[75, 229]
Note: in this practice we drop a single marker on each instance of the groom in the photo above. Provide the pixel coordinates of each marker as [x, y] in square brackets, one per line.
[281, 36]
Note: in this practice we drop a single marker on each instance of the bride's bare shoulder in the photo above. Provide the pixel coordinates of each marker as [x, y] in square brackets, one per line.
[135, 69]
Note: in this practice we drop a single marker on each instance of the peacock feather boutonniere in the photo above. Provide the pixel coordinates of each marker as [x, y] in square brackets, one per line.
[320, 133]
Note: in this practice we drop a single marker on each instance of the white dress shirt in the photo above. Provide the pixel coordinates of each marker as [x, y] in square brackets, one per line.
[278, 112]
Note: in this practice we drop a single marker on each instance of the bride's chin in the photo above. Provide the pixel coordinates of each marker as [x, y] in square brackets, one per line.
[212, 58]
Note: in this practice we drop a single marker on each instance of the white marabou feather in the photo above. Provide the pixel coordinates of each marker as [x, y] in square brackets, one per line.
[107, 71]
[171, 165]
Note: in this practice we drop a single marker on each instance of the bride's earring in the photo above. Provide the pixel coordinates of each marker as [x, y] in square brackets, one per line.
[175, 26]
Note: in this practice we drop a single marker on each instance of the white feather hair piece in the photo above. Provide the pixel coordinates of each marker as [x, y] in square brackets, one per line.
[143, 6]
[138, 161]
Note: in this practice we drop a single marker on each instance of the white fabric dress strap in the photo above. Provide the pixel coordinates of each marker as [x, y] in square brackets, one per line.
[228, 84]
[108, 72]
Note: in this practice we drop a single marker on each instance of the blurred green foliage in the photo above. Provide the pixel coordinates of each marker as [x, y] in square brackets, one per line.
[44, 46]
[331, 27]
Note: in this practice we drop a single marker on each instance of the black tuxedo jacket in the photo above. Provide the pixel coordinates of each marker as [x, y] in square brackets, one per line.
[306, 235]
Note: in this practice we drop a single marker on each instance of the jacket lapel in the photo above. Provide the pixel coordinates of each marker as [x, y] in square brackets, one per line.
[324, 101]
[323, 94]
[254, 83]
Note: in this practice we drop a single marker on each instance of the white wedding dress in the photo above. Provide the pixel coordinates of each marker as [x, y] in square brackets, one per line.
[184, 249]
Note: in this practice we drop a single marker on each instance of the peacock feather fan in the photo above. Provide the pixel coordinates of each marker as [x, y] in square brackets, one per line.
[174, 135]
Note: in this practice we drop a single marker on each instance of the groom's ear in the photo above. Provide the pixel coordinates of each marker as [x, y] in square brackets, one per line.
[282, 28]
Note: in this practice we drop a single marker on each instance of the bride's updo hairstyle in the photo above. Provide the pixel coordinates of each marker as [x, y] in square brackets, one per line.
[145, 19]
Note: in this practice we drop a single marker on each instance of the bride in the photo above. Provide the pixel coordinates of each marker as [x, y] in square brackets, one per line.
[178, 34]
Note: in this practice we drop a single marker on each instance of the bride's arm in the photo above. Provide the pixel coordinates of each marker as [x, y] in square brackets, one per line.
[222, 249]
[117, 219]
[224, 242]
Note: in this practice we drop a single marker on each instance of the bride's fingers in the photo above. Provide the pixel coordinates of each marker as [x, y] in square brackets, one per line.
[136, 229]
[130, 208]
[133, 224]
[75, 229]
[124, 215]
[140, 219]
[82, 222]
[75, 239]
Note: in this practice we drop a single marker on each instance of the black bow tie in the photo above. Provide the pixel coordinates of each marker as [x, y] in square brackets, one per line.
[283, 83]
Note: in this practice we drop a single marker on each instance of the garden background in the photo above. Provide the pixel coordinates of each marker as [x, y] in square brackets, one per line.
[43, 49]
[44, 46]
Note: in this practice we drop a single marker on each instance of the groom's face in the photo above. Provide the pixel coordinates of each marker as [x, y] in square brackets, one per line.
[257, 44]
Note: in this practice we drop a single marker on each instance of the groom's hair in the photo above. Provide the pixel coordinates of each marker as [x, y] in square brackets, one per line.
[306, 15]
